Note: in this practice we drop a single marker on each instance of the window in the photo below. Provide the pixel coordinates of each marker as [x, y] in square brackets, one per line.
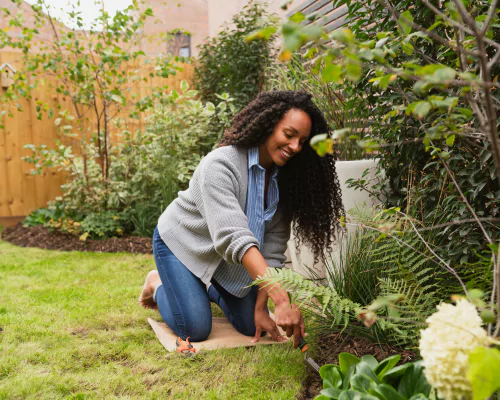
[179, 44]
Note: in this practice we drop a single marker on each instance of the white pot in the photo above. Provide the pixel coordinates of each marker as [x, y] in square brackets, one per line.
[303, 262]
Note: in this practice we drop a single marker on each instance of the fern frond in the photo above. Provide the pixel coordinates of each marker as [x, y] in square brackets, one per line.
[410, 313]
[340, 311]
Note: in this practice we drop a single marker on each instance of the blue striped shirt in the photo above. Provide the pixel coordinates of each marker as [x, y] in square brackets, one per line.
[233, 277]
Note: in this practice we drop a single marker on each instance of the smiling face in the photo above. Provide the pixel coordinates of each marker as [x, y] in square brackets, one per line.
[287, 139]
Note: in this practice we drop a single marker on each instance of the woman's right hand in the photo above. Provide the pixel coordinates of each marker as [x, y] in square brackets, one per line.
[290, 319]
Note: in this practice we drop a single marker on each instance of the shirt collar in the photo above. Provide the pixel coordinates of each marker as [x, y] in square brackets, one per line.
[253, 159]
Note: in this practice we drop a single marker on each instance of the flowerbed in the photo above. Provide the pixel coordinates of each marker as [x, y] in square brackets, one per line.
[43, 238]
[327, 350]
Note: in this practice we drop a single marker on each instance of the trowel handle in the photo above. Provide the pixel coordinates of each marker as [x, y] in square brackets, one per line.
[303, 346]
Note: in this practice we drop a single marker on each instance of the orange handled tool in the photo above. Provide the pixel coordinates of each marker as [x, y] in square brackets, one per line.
[303, 346]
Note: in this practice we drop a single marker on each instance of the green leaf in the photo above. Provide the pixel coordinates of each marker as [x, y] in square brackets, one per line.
[414, 381]
[191, 93]
[292, 41]
[385, 80]
[445, 155]
[405, 22]
[117, 98]
[396, 372]
[342, 35]
[331, 73]
[389, 392]
[362, 383]
[346, 360]
[364, 368]
[386, 364]
[421, 109]
[331, 376]
[354, 395]
[488, 316]
[353, 68]
[450, 140]
[407, 47]
[370, 360]
[464, 111]
[297, 17]
[222, 106]
[184, 85]
[330, 393]
[419, 396]
[484, 372]
[444, 74]
[312, 32]
[318, 138]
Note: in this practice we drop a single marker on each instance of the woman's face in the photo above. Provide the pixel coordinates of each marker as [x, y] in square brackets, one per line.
[287, 139]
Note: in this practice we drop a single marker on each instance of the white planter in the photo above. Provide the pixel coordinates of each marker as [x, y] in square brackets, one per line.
[304, 260]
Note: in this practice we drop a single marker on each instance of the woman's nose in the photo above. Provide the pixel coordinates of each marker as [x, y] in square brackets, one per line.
[295, 145]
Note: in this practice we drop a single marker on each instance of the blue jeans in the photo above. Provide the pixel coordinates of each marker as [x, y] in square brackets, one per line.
[184, 302]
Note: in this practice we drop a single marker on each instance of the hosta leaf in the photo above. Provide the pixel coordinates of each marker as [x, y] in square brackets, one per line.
[346, 360]
[386, 364]
[331, 376]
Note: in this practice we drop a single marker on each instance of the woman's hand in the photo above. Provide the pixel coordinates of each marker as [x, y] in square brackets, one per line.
[264, 323]
[290, 319]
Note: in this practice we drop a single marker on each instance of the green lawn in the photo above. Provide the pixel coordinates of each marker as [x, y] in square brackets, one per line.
[70, 327]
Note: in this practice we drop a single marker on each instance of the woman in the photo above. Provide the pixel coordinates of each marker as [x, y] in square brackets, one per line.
[233, 222]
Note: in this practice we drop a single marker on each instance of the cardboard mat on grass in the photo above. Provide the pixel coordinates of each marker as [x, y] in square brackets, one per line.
[223, 335]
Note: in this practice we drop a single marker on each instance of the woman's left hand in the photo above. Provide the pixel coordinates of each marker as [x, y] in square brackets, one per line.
[264, 323]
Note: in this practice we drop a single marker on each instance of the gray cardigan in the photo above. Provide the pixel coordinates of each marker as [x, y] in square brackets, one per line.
[207, 223]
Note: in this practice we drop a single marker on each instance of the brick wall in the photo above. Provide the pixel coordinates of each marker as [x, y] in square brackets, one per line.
[190, 15]
[222, 11]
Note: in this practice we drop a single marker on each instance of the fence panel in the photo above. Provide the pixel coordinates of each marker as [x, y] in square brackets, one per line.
[21, 192]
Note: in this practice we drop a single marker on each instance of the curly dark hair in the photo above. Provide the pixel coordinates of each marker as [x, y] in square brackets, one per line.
[310, 195]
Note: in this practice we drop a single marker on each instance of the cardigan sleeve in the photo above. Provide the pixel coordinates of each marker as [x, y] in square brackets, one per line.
[218, 204]
[275, 241]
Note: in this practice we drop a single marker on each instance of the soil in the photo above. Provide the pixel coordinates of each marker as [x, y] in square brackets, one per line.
[327, 351]
[44, 238]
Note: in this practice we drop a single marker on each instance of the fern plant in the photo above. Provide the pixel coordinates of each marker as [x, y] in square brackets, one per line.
[313, 299]
[409, 313]
[324, 307]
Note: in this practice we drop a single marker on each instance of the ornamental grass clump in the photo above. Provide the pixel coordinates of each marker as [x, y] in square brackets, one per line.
[453, 332]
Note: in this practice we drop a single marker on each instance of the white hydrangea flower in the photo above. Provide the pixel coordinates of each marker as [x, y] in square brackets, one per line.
[452, 333]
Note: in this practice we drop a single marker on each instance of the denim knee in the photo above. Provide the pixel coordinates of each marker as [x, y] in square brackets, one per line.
[247, 328]
[197, 332]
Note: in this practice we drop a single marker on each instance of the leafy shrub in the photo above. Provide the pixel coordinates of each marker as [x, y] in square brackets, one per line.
[146, 169]
[42, 216]
[229, 63]
[180, 131]
[393, 81]
[368, 379]
[103, 224]
[346, 126]
[424, 76]
[65, 225]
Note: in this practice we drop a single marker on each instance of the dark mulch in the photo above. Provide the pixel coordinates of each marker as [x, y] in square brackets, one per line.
[327, 351]
[43, 238]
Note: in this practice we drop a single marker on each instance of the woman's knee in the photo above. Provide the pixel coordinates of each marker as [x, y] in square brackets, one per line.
[197, 332]
[246, 327]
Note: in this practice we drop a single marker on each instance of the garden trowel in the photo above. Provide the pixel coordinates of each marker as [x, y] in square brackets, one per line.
[303, 346]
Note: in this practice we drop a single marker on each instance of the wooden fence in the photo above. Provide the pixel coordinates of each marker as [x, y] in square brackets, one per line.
[21, 192]
[325, 14]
